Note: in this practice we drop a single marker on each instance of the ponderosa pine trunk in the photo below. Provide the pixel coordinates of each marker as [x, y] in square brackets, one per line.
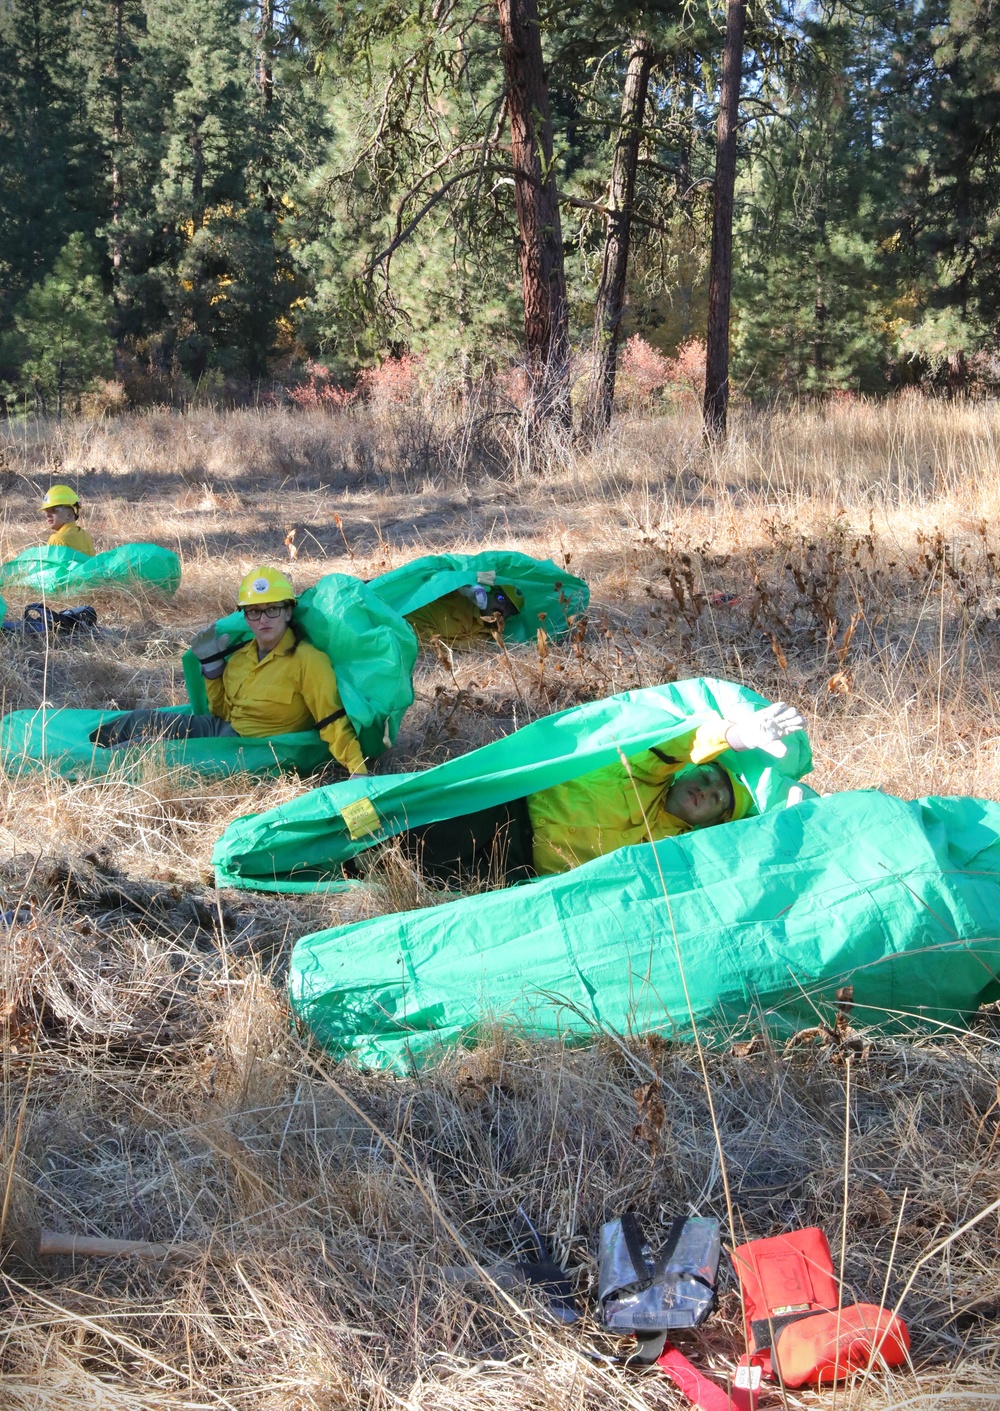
[610, 303]
[543, 277]
[720, 279]
[265, 79]
[117, 147]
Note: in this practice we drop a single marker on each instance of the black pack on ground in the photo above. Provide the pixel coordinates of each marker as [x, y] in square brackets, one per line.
[41, 621]
[651, 1282]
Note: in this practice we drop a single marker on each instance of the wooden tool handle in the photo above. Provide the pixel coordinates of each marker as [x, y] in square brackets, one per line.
[96, 1247]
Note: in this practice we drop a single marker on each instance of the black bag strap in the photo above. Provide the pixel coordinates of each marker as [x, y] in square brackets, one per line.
[632, 1234]
[635, 1238]
[766, 1331]
[329, 719]
[670, 1244]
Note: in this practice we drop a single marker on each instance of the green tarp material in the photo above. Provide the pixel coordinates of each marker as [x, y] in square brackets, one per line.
[61, 740]
[551, 595]
[372, 649]
[300, 845]
[55, 569]
[765, 917]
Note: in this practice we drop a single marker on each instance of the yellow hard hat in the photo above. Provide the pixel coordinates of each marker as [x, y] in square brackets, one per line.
[264, 585]
[742, 798]
[513, 593]
[60, 495]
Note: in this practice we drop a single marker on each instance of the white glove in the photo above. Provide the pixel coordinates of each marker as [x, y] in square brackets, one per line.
[210, 649]
[765, 729]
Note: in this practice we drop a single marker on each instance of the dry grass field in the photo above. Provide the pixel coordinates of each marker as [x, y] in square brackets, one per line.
[847, 561]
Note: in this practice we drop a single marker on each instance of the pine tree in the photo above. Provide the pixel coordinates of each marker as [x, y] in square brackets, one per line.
[405, 226]
[61, 331]
[47, 150]
[819, 276]
[206, 278]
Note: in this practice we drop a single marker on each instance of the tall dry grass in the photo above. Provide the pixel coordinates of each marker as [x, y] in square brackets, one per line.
[153, 1088]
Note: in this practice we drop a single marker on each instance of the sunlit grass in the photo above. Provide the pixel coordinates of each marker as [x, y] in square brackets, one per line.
[845, 560]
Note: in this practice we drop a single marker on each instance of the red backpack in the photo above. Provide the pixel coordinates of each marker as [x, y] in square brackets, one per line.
[796, 1329]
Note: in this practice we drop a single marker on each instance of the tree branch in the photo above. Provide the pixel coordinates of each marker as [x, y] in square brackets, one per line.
[428, 206]
[605, 211]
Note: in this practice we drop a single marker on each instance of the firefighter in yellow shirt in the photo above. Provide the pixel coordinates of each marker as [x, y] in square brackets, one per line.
[274, 685]
[459, 617]
[660, 793]
[61, 508]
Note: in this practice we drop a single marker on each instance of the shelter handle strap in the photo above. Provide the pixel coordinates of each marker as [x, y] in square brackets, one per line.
[666, 759]
[329, 719]
[220, 656]
[701, 1391]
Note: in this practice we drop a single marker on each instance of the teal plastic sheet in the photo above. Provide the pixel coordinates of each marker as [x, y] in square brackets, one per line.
[762, 920]
[553, 598]
[60, 740]
[301, 845]
[372, 649]
[55, 569]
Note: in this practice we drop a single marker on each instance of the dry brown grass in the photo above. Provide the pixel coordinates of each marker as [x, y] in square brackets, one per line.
[153, 1087]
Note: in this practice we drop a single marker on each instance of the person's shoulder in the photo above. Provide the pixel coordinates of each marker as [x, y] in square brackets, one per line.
[246, 650]
[308, 654]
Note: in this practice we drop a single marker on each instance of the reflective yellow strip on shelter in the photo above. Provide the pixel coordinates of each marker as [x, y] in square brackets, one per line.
[361, 818]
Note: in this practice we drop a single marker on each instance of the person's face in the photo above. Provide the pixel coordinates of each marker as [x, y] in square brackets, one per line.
[268, 631]
[498, 601]
[58, 515]
[700, 796]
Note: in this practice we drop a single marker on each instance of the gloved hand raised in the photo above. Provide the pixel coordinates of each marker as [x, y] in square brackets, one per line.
[210, 649]
[764, 729]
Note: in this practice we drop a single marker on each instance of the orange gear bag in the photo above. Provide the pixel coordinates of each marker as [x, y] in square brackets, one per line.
[796, 1330]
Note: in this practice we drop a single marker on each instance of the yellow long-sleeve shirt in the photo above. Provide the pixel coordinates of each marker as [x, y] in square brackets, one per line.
[453, 618]
[614, 807]
[293, 688]
[71, 536]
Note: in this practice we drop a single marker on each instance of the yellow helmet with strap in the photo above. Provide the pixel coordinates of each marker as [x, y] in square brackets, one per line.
[264, 585]
[513, 593]
[60, 495]
[742, 798]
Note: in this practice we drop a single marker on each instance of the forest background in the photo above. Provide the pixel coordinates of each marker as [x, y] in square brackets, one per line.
[210, 199]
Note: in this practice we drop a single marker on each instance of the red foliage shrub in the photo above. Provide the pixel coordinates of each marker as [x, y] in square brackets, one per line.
[645, 373]
[643, 370]
[319, 390]
[395, 381]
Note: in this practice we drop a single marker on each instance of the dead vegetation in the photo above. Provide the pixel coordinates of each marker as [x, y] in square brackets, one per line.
[153, 1088]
